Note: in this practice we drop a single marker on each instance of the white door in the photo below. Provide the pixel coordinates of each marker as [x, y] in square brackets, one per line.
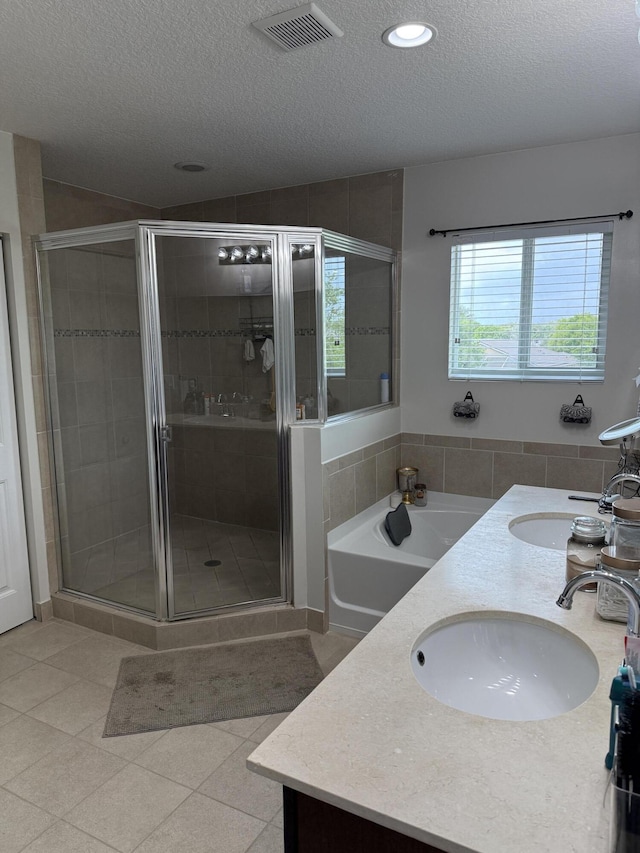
[15, 587]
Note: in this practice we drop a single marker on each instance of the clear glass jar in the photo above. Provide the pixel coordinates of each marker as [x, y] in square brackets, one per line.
[583, 547]
[612, 604]
[625, 523]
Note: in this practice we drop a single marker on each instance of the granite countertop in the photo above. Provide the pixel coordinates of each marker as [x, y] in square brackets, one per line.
[372, 742]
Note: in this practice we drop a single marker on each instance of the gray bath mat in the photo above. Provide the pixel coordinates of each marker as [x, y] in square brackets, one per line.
[205, 685]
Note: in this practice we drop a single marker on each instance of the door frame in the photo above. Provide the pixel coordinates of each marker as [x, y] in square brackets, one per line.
[14, 538]
[155, 400]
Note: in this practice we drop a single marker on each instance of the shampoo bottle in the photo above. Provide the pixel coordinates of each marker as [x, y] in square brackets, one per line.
[384, 387]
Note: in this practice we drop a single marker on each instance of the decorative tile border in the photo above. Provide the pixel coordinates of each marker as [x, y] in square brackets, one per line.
[96, 333]
[203, 333]
[368, 330]
[171, 333]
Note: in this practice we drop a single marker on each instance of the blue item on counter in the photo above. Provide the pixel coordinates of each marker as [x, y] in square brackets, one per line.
[622, 684]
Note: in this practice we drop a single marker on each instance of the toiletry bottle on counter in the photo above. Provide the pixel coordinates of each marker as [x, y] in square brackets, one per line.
[384, 387]
[190, 404]
[584, 546]
[624, 561]
[625, 523]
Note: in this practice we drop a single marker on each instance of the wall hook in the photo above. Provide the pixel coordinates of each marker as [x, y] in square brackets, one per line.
[576, 412]
[466, 408]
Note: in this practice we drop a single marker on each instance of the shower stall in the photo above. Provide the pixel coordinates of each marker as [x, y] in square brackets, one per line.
[177, 357]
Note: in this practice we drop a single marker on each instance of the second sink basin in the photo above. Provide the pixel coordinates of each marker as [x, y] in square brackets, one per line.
[549, 531]
[505, 666]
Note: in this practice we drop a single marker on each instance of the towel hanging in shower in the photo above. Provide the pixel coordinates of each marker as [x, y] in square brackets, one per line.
[249, 352]
[268, 356]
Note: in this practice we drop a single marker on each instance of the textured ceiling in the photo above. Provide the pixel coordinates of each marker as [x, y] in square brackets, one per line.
[118, 91]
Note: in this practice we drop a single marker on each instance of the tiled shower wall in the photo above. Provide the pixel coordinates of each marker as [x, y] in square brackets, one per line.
[214, 470]
[204, 323]
[369, 207]
[464, 466]
[366, 206]
[98, 402]
[225, 474]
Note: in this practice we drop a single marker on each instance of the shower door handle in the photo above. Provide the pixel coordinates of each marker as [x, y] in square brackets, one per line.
[166, 433]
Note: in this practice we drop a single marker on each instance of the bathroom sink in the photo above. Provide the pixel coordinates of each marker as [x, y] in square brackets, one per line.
[550, 530]
[505, 666]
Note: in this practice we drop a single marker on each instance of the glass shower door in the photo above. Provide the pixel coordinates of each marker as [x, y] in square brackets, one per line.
[216, 301]
[97, 418]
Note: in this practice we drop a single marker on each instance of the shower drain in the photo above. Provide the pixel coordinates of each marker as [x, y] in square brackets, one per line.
[213, 562]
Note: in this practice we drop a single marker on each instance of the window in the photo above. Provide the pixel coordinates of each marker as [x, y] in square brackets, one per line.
[530, 304]
[334, 314]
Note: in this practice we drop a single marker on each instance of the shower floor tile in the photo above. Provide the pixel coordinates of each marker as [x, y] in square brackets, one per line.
[247, 566]
[186, 789]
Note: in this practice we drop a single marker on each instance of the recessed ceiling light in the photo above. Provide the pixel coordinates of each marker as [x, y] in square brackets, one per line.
[191, 166]
[409, 34]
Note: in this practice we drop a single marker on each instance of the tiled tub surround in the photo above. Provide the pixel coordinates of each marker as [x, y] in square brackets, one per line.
[478, 467]
[488, 468]
[353, 482]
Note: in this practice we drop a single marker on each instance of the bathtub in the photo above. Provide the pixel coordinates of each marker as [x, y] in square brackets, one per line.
[368, 575]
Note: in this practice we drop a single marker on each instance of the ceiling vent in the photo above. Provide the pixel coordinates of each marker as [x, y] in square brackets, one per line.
[298, 27]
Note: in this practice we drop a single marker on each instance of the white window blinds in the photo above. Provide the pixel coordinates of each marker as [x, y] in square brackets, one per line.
[334, 315]
[530, 304]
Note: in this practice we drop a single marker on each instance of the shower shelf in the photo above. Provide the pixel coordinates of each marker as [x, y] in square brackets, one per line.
[258, 327]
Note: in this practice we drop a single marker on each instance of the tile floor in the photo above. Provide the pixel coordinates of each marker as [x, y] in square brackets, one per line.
[121, 570]
[66, 789]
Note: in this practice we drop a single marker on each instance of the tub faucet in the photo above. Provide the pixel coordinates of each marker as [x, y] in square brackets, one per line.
[630, 590]
[608, 495]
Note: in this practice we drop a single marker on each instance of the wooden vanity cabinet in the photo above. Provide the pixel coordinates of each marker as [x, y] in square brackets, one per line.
[311, 826]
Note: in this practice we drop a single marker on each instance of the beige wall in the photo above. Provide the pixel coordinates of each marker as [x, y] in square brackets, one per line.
[572, 180]
[366, 206]
[73, 207]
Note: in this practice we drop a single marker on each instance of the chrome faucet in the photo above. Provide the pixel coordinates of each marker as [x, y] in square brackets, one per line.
[632, 593]
[608, 495]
